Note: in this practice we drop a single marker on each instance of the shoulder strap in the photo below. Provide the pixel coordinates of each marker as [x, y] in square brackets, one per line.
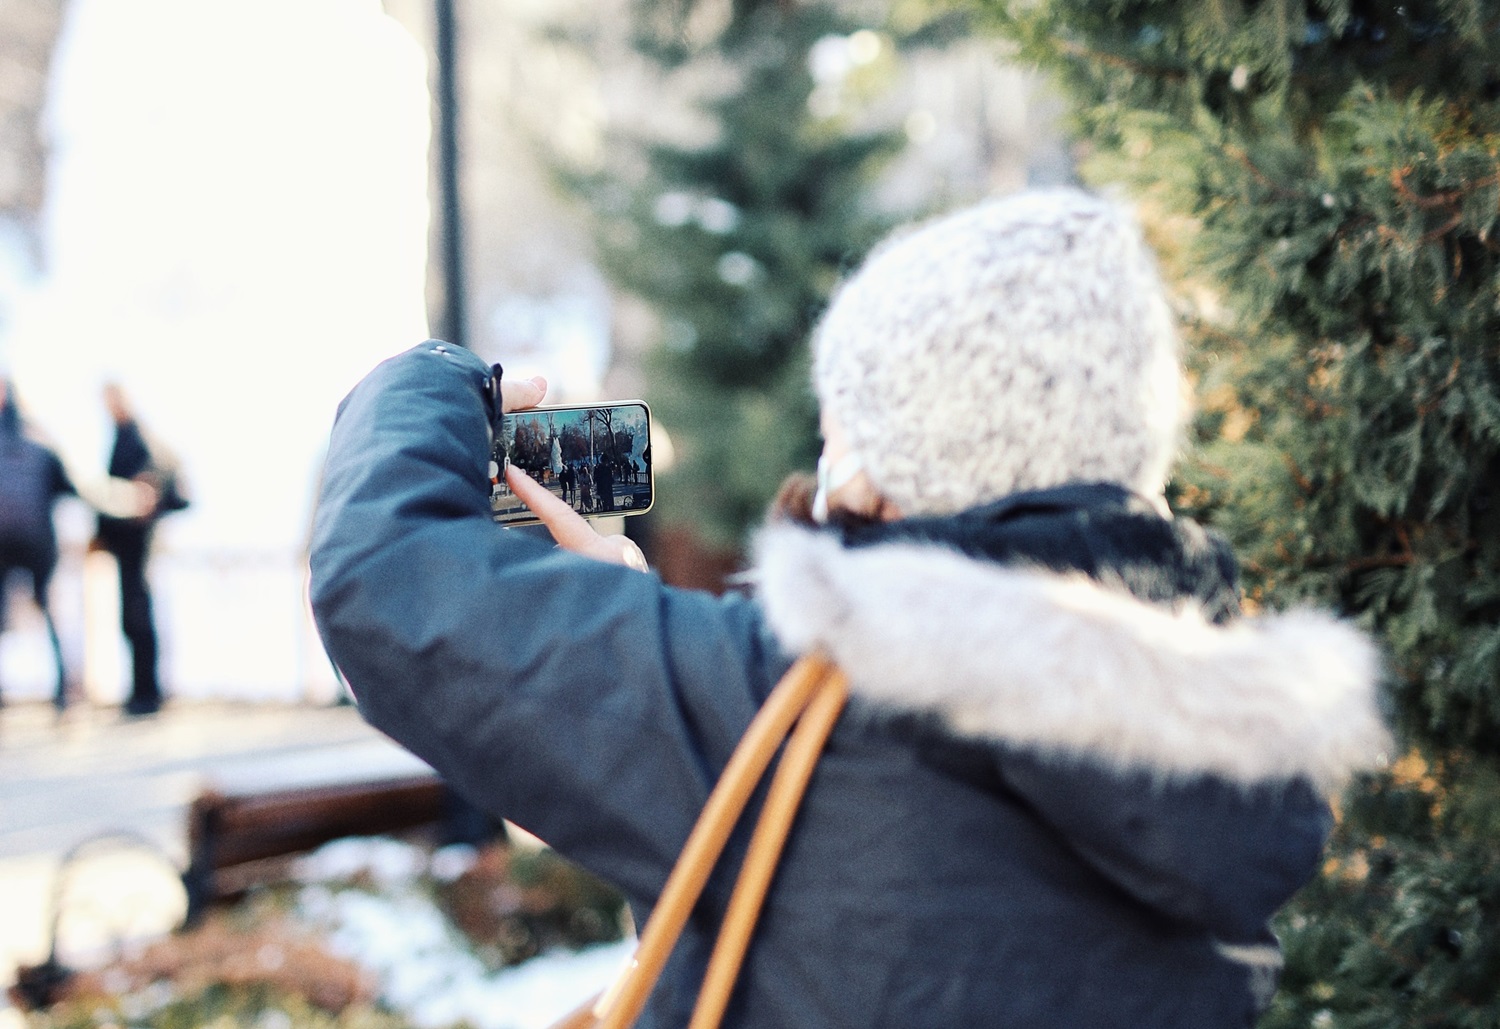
[812, 685]
[787, 787]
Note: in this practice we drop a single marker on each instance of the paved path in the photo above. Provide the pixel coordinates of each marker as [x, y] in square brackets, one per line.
[65, 781]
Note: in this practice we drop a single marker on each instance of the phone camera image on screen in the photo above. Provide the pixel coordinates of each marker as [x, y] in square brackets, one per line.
[597, 459]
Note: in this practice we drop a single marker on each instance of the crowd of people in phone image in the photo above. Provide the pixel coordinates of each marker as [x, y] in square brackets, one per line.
[591, 487]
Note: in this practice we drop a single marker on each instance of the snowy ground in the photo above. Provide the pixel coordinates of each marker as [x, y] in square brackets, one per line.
[425, 969]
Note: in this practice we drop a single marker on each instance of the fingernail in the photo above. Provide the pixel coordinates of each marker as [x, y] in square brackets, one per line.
[635, 559]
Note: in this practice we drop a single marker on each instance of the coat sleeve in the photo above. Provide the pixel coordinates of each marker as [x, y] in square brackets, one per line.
[584, 701]
[1203, 851]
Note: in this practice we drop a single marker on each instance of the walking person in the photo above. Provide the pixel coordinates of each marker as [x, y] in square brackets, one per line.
[32, 480]
[128, 540]
[604, 484]
[585, 488]
[1073, 783]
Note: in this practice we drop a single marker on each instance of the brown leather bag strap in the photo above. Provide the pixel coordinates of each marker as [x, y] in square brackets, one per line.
[621, 1005]
[787, 787]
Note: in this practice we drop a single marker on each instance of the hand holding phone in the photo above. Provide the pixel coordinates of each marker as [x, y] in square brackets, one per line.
[521, 432]
[570, 529]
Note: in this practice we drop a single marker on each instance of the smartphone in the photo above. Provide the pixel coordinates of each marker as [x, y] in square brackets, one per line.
[596, 458]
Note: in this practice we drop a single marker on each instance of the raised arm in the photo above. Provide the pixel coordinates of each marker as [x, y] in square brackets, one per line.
[583, 700]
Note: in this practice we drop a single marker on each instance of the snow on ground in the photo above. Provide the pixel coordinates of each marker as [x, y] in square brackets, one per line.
[424, 968]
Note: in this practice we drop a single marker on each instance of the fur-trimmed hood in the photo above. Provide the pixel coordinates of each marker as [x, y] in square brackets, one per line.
[1063, 665]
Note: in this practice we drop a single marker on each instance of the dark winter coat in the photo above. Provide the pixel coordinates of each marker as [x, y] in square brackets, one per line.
[32, 479]
[1050, 804]
[134, 456]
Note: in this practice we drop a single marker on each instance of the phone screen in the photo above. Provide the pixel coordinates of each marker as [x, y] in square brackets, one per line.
[595, 458]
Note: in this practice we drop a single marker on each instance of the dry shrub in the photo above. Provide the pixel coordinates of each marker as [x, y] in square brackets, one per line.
[514, 902]
[221, 953]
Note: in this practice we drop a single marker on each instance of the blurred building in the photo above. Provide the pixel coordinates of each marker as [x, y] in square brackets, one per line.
[28, 34]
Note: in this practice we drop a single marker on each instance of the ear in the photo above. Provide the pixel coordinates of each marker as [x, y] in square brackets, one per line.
[859, 497]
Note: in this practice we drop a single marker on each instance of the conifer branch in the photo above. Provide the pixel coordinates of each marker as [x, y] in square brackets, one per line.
[1278, 191]
[1453, 222]
[1430, 404]
[1366, 564]
[1446, 199]
[1405, 557]
[1069, 48]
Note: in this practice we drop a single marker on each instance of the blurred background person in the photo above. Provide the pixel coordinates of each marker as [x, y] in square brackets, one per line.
[32, 480]
[135, 456]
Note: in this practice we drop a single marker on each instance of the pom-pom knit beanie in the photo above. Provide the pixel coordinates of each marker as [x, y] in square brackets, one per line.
[1016, 345]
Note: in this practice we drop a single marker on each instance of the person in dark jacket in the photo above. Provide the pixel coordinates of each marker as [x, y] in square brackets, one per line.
[32, 480]
[134, 457]
[604, 482]
[1074, 782]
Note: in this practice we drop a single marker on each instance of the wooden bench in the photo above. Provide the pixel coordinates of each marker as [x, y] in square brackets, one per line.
[236, 839]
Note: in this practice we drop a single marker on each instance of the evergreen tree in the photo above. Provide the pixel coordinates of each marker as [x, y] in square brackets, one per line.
[1324, 179]
[736, 244]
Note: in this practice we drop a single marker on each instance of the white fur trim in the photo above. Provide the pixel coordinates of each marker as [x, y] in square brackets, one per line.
[1061, 664]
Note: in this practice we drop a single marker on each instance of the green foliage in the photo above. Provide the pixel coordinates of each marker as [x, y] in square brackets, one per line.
[662, 29]
[1416, 860]
[1323, 179]
[516, 903]
[735, 243]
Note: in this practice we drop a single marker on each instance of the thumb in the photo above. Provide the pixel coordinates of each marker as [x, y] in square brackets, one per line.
[520, 394]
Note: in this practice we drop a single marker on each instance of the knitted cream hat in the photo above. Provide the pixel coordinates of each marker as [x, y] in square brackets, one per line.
[1017, 345]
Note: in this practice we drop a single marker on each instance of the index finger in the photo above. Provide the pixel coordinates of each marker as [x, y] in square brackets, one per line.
[569, 528]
